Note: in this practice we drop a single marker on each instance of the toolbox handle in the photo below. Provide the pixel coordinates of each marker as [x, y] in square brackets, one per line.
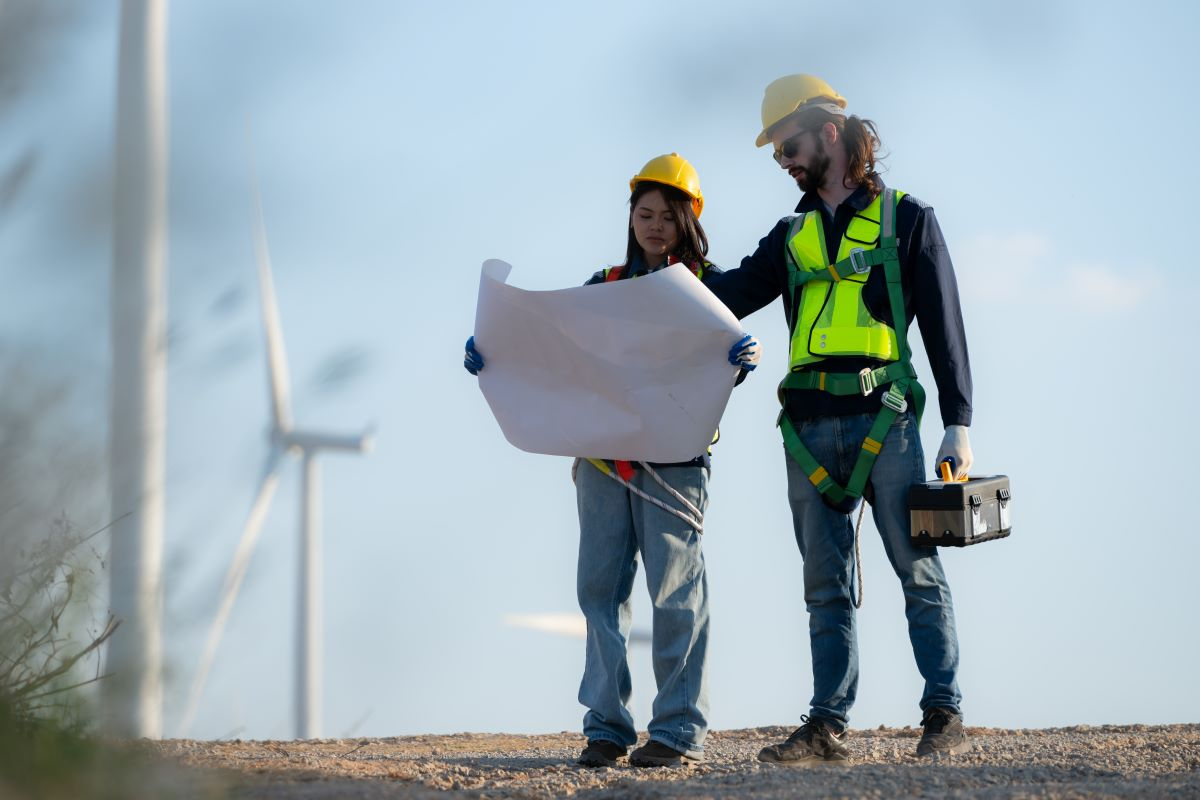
[947, 470]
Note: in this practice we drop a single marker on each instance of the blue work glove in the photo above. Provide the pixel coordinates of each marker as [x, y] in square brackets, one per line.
[472, 361]
[745, 353]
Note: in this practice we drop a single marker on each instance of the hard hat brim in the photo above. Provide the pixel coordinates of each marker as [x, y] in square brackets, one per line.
[697, 200]
[824, 104]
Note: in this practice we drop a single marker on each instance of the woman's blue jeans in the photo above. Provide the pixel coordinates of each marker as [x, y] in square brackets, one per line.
[826, 540]
[616, 525]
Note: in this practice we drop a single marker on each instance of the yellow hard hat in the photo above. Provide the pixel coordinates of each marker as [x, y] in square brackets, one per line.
[672, 170]
[790, 94]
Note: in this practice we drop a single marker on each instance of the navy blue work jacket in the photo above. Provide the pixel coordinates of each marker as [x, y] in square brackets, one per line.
[930, 296]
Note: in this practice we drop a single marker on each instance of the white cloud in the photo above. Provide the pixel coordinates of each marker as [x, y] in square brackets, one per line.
[1024, 268]
[1000, 266]
[1100, 288]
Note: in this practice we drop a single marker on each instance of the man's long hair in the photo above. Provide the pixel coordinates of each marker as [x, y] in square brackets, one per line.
[860, 139]
[693, 244]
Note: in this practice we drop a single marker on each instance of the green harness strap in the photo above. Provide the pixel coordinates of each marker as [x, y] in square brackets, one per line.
[899, 374]
[844, 383]
[859, 262]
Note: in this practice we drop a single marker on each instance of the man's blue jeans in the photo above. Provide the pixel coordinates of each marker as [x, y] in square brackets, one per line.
[616, 525]
[826, 540]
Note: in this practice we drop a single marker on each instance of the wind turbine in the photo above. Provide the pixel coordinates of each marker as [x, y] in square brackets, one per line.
[284, 439]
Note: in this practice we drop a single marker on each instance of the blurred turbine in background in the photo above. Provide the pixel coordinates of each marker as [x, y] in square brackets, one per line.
[284, 439]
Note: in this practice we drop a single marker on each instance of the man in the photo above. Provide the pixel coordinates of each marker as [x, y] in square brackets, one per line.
[855, 267]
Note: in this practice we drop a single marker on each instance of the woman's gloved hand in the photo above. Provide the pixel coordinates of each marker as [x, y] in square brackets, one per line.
[957, 445]
[472, 361]
[745, 353]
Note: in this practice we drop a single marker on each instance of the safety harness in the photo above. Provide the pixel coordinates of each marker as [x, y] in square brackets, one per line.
[622, 471]
[898, 376]
[690, 514]
[616, 273]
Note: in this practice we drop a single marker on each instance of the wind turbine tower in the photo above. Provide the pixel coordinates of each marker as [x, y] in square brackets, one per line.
[132, 697]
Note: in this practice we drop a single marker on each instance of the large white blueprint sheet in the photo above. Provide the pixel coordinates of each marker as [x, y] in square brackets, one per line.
[635, 370]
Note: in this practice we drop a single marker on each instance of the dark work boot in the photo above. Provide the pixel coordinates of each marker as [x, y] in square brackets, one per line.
[601, 753]
[817, 741]
[943, 733]
[657, 754]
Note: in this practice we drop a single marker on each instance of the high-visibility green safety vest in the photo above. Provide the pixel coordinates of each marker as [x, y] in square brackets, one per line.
[833, 321]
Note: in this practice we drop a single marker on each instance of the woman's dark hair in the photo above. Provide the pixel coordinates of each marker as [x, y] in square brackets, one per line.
[861, 142]
[693, 244]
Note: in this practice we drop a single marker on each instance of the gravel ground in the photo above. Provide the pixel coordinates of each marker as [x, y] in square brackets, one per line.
[1124, 761]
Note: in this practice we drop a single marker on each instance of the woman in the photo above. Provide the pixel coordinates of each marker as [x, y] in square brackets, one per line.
[652, 509]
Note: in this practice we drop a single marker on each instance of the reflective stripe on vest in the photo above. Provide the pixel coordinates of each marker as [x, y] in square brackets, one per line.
[832, 318]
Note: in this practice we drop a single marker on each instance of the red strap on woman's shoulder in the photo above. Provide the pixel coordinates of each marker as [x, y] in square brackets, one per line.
[696, 267]
[616, 273]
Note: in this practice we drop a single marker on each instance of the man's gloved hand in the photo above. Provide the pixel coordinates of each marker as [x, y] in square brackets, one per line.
[472, 361]
[574, 469]
[745, 353]
[956, 445]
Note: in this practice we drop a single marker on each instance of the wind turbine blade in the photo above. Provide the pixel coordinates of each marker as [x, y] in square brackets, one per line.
[572, 625]
[314, 440]
[277, 371]
[641, 636]
[233, 582]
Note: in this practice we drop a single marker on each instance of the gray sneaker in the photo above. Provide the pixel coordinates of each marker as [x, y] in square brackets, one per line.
[943, 733]
[817, 741]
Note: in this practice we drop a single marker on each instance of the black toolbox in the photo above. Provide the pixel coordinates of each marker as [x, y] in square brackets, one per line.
[959, 513]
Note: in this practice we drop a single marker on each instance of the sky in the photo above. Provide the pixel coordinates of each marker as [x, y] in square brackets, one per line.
[399, 145]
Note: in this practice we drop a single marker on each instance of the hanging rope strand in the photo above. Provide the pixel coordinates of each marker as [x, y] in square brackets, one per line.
[696, 521]
[687, 504]
[858, 554]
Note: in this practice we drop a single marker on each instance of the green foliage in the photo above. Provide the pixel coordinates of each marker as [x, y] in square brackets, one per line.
[46, 747]
[39, 758]
[47, 760]
[39, 651]
[51, 578]
[43, 749]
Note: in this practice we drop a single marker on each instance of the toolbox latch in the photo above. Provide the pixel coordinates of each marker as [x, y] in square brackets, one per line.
[978, 520]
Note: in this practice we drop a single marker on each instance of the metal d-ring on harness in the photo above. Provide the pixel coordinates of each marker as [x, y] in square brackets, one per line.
[695, 520]
[899, 375]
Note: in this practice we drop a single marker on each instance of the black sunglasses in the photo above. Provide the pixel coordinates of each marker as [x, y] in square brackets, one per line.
[789, 148]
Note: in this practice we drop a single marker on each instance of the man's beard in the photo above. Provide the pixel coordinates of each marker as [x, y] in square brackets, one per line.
[813, 177]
